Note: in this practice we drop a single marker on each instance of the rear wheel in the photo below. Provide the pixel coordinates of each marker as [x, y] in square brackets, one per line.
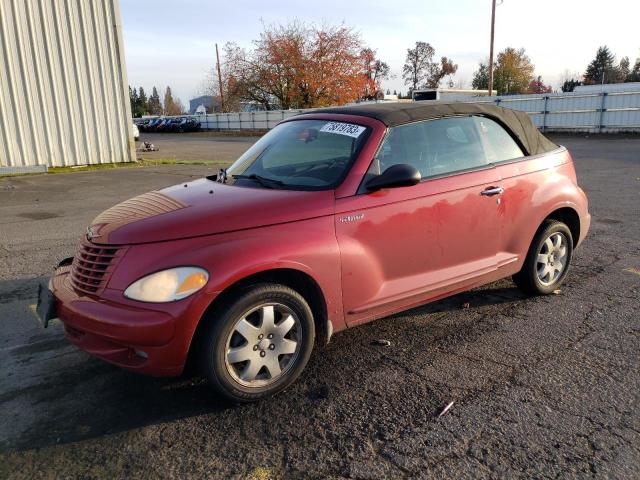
[548, 259]
[259, 342]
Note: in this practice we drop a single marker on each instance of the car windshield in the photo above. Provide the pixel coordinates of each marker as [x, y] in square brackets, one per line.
[300, 155]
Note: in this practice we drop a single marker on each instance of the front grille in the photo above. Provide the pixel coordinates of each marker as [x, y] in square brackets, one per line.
[90, 267]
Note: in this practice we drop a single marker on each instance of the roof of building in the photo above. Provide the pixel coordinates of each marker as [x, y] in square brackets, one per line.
[394, 114]
[608, 87]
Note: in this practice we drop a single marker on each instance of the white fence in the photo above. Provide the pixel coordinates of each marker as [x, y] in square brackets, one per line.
[593, 112]
[246, 120]
[587, 112]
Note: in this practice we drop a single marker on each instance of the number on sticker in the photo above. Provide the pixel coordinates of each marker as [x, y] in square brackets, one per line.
[343, 129]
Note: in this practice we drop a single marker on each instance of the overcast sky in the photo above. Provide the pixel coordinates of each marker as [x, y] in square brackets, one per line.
[170, 42]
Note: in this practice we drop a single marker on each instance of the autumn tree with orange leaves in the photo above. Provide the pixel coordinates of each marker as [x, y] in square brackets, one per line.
[301, 66]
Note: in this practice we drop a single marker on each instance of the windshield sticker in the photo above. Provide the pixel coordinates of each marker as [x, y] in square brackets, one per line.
[343, 129]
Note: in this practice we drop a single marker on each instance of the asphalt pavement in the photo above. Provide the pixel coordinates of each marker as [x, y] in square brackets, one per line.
[541, 387]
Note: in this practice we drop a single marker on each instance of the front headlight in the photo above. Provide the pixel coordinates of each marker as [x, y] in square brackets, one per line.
[168, 285]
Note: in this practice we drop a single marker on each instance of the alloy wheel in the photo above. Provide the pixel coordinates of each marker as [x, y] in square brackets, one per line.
[263, 345]
[552, 258]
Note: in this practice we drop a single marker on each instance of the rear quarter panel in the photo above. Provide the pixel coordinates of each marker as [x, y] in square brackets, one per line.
[533, 189]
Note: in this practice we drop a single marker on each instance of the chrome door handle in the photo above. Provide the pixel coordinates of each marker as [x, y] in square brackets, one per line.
[489, 192]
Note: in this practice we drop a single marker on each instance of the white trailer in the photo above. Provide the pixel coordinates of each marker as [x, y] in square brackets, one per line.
[447, 94]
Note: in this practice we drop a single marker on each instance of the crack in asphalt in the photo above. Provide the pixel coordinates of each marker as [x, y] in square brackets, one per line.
[405, 473]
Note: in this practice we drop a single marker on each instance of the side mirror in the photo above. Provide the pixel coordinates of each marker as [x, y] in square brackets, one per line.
[401, 175]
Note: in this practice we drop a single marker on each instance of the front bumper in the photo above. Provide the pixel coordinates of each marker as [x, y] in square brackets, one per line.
[137, 339]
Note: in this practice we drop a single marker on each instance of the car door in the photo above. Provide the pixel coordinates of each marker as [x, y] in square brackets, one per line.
[402, 246]
[520, 177]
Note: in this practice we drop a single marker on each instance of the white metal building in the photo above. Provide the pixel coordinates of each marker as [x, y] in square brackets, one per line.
[608, 87]
[63, 85]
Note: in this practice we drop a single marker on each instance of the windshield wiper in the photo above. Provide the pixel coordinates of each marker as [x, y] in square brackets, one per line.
[265, 182]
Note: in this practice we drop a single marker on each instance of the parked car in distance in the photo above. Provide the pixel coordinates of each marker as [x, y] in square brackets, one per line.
[173, 125]
[332, 219]
[142, 123]
[188, 124]
[149, 125]
[163, 125]
[169, 124]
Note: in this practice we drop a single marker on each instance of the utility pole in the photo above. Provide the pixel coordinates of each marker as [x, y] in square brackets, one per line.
[493, 22]
[220, 77]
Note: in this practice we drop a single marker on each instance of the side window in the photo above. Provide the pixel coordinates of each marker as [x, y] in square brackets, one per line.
[403, 144]
[498, 144]
[434, 147]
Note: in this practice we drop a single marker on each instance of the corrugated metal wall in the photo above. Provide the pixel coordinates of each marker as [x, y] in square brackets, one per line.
[63, 85]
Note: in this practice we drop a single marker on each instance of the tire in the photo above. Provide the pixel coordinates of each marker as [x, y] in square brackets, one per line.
[539, 276]
[278, 333]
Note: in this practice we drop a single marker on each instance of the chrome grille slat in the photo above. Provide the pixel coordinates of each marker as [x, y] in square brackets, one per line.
[90, 267]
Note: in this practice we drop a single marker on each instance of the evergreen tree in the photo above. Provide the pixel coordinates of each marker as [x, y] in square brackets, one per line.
[570, 85]
[133, 101]
[154, 106]
[142, 102]
[168, 101]
[601, 69]
[634, 75]
[481, 77]
[623, 69]
[172, 106]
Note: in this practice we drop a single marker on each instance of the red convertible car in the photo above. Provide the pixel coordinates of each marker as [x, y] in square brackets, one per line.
[332, 219]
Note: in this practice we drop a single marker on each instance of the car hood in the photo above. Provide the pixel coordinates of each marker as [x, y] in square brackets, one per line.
[203, 207]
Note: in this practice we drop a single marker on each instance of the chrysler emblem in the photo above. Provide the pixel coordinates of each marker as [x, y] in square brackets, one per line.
[91, 234]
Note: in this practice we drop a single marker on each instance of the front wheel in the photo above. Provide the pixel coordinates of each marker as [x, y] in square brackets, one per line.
[548, 259]
[258, 343]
